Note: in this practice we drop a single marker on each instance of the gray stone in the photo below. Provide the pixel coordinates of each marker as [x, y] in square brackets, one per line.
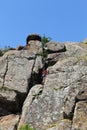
[19, 69]
[54, 47]
[63, 82]
[15, 77]
[75, 49]
[38, 64]
[60, 103]
[9, 122]
[3, 69]
[35, 92]
[80, 116]
[34, 46]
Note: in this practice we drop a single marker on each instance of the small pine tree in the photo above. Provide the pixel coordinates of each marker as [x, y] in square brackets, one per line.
[45, 39]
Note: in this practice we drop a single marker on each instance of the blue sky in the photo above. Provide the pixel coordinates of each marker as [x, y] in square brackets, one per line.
[62, 20]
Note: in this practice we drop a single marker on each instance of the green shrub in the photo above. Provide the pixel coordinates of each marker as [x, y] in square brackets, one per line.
[26, 127]
[1, 53]
[45, 39]
[44, 53]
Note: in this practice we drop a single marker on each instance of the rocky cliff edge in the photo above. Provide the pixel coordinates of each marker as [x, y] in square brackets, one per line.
[60, 103]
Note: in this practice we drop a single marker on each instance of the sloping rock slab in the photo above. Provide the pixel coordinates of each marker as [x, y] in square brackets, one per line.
[57, 101]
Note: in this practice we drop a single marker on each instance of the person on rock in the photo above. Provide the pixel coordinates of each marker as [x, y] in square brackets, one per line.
[44, 72]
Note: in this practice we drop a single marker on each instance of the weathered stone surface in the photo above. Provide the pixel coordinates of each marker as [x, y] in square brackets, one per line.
[18, 68]
[34, 94]
[56, 56]
[8, 100]
[63, 125]
[80, 116]
[75, 49]
[9, 122]
[38, 64]
[63, 82]
[15, 77]
[54, 47]
[34, 46]
[60, 103]
[3, 66]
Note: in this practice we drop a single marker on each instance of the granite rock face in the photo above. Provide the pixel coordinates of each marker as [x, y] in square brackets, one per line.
[58, 104]
[16, 70]
[58, 100]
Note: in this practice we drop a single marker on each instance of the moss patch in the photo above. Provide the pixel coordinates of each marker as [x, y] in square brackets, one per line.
[26, 127]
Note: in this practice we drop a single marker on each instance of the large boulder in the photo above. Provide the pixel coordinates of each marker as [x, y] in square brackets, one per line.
[54, 47]
[16, 72]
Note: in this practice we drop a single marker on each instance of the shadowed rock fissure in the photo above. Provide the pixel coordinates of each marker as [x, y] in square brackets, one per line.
[70, 116]
[33, 80]
[35, 77]
[5, 72]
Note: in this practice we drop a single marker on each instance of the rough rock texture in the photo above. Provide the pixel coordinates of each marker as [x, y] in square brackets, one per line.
[58, 104]
[16, 69]
[80, 116]
[34, 46]
[34, 94]
[54, 47]
[9, 122]
[64, 81]
[63, 125]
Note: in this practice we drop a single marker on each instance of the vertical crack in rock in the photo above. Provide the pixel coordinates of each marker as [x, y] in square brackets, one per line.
[5, 72]
[30, 82]
[73, 109]
[70, 115]
[35, 76]
[81, 96]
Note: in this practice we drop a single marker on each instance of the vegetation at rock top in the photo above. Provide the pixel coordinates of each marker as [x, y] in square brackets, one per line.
[45, 39]
[3, 51]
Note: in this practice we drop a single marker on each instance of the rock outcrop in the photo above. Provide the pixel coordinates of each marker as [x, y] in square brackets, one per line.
[58, 104]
